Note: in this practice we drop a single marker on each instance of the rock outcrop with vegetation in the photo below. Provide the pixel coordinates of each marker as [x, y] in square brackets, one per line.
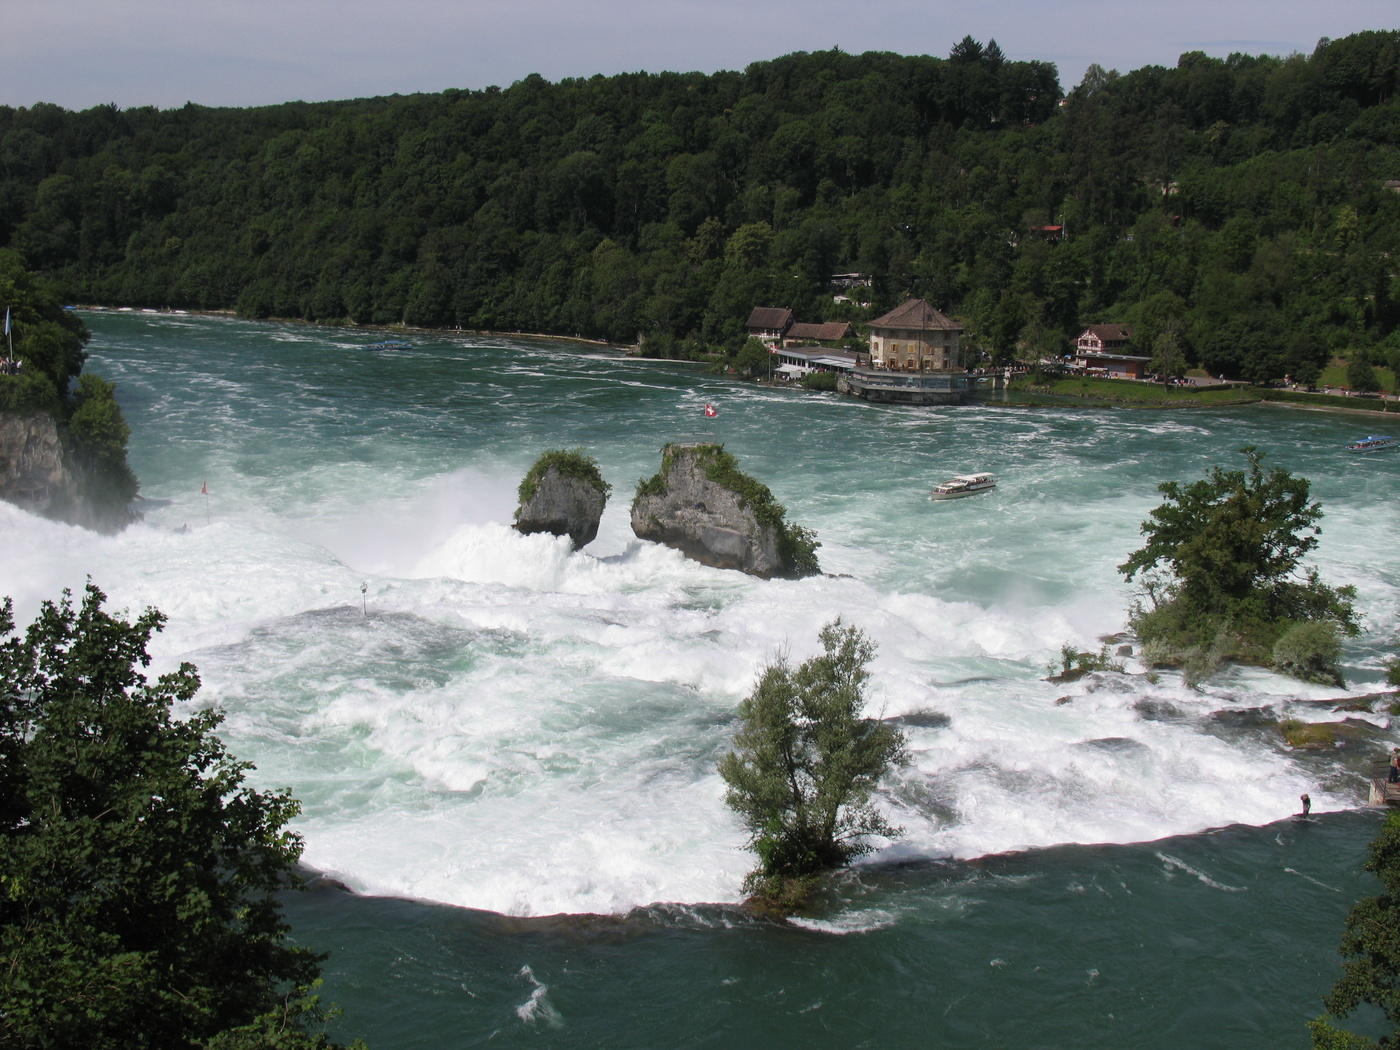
[563, 494]
[39, 473]
[701, 504]
[62, 436]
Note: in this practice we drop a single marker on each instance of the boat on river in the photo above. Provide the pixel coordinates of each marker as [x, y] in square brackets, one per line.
[961, 485]
[1374, 443]
[390, 344]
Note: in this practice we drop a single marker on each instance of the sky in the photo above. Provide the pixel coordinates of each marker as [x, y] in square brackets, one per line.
[83, 53]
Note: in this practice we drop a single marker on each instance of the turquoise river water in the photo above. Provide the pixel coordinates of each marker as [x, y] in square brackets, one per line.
[507, 749]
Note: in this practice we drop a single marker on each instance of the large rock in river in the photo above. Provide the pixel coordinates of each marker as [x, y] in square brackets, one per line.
[563, 494]
[38, 474]
[702, 505]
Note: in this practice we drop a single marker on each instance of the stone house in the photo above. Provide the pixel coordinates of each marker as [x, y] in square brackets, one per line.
[914, 337]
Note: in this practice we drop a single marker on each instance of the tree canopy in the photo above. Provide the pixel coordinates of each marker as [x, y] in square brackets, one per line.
[807, 761]
[1250, 189]
[1220, 570]
[1371, 954]
[139, 872]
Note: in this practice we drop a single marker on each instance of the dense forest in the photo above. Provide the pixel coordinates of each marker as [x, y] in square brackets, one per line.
[1238, 207]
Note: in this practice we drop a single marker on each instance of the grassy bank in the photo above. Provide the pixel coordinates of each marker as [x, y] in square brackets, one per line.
[1132, 393]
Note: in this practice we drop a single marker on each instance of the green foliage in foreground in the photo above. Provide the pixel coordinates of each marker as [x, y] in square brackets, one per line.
[139, 873]
[572, 463]
[1218, 572]
[796, 544]
[806, 763]
[1370, 949]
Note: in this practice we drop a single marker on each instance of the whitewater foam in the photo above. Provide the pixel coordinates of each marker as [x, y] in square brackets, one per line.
[498, 721]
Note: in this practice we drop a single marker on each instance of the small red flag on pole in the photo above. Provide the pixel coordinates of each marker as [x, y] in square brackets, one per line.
[204, 488]
[711, 412]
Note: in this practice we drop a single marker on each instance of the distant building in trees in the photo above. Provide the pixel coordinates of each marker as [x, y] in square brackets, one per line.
[1102, 348]
[769, 323]
[1104, 338]
[914, 337]
[806, 332]
[842, 281]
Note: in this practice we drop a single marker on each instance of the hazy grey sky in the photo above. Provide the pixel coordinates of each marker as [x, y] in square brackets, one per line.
[81, 53]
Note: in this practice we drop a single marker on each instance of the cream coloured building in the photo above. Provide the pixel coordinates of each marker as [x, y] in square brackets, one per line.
[914, 337]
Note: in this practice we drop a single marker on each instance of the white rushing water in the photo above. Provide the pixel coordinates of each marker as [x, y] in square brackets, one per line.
[503, 723]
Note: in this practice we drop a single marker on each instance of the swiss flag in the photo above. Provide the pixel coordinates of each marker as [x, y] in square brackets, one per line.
[710, 412]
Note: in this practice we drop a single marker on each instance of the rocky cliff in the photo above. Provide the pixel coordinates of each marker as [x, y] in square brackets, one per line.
[38, 475]
[564, 495]
[700, 504]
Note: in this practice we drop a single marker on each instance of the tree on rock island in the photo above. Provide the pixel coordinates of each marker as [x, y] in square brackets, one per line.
[806, 763]
[1220, 575]
[138, 873]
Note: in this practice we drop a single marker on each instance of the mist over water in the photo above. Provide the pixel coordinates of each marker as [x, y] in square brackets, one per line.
[501, 723]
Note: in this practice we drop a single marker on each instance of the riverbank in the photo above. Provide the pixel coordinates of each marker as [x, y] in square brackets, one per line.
[398, 329]
[1127, 393]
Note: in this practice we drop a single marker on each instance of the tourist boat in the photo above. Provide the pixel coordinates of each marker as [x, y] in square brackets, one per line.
[1373, 444]
[390, 344]
[962, 485]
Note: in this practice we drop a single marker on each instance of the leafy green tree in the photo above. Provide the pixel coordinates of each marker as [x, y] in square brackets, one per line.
[139, 873]
[754, 360]
[1361, 376]
[807, 762]
[1167, 359]
[48, 340]
[99, 435]
[1371, 954]
[1220, 566]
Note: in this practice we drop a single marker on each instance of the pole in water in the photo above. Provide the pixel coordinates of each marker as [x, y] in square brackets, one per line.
[364, 610]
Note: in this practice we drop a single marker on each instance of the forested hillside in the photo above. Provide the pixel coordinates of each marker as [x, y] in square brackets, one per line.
[1238, 204]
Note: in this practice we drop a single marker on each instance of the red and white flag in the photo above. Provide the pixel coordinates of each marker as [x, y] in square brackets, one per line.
[711, 412]
[204, 488]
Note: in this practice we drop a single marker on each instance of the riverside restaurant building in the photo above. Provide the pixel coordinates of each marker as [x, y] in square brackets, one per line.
[916, 357]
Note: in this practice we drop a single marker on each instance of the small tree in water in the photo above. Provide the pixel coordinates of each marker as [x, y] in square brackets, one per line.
[806, 763]
[1222, 573]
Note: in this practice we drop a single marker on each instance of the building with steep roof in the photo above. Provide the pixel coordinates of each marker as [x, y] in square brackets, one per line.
[769, 323]
[1104, 338]
[817, 332]
[914, 337]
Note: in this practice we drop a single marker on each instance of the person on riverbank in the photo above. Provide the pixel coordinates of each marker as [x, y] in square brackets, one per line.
[1393, 776]
[1307, 803]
